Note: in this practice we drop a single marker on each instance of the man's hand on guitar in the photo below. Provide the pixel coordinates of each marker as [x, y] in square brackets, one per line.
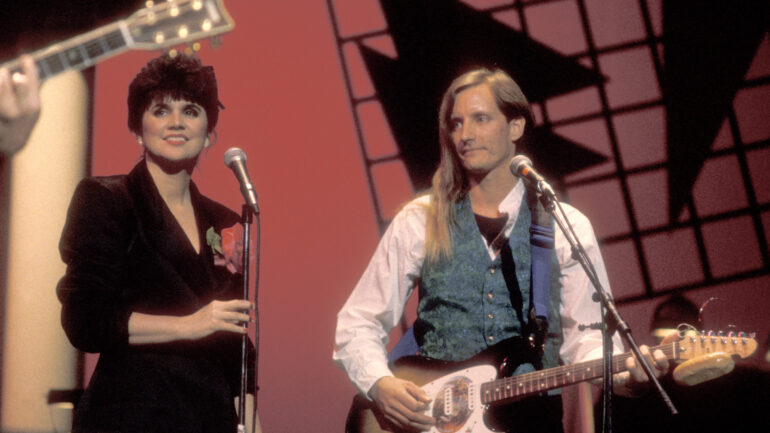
[402, 403]
[637, 380]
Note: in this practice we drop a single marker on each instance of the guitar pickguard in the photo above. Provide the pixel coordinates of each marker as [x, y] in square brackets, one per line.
[456, 404]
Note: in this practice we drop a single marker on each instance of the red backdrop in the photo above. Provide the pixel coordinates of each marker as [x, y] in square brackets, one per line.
[281, 80]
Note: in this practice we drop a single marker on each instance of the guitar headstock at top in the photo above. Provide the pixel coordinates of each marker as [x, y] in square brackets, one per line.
[174, 22]
[694, 345]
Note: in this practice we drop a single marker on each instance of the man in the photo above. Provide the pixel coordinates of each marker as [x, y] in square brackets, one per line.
[19, 105]
[466, 247]
[671, 313]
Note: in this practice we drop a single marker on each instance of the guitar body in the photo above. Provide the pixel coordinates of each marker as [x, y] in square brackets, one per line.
[455, 404]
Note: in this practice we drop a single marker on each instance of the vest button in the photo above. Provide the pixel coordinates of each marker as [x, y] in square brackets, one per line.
[489, 295]
[492, 271]
[490, 338]
[491, 316]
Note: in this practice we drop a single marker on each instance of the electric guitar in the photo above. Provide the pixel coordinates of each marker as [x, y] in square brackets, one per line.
[461, 393]
[160, 26]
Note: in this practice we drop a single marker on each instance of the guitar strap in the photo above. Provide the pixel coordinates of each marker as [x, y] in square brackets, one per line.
[535, 321]
[541, 249]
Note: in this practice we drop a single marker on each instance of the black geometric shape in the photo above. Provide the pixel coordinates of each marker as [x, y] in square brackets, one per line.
[709, 47]
[436, 41]
[411, 117]
[556, 157]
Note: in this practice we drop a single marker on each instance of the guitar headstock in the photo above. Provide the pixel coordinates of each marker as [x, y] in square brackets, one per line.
[694, 345]
[175, 22]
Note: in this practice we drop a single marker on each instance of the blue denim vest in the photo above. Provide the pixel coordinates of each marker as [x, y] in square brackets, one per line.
[464, 303]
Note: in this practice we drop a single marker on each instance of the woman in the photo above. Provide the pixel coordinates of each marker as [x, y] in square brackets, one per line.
[142, 287]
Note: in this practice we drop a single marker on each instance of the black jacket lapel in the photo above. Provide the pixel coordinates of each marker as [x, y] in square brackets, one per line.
[164, 236]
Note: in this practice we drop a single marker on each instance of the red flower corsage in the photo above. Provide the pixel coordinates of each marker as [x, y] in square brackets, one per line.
[227, 248]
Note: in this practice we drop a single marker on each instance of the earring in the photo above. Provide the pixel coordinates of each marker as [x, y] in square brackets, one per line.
[140, 141]
[206, 143]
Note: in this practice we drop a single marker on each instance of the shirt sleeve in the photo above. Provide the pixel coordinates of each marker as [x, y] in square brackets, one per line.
[377, 302]
[93, 246]
[578, 307]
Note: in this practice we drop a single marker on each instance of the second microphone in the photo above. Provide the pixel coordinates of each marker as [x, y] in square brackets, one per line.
[235, 158]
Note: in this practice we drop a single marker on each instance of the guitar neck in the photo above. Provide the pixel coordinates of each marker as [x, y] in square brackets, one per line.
[160, 26]
[693, 346]
[539, 381]
[79, 52]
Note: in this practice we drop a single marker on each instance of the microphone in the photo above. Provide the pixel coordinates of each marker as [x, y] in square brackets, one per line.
[235, 158]
[521, 166]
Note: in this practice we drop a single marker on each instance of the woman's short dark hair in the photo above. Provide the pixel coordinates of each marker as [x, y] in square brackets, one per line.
[179, 77]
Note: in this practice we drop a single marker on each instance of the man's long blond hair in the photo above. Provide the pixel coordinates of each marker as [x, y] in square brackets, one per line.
[450, 182]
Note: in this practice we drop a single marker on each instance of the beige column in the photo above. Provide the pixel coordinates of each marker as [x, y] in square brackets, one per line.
[37, 356]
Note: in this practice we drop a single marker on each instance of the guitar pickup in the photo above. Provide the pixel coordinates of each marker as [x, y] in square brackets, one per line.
[448, 401]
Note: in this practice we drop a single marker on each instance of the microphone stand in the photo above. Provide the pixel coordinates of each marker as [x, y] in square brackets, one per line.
[608, 329]
[247, 214]
[611, 317]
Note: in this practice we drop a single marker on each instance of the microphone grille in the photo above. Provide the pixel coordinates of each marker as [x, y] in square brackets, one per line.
[518, 163]
[234, 154]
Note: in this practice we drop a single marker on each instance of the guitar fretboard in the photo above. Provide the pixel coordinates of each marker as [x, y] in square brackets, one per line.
[552, 378]
[77, 53]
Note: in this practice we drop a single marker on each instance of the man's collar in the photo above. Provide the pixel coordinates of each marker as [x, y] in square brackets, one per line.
[512, 201]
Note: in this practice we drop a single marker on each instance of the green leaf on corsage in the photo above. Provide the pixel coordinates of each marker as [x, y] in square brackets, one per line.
[214, 241]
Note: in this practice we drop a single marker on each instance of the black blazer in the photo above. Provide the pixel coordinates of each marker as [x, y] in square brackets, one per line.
[125, 252]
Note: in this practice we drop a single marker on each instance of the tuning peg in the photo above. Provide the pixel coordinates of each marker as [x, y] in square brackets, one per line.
[721, 336]
[706, 335]
[148, 15]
